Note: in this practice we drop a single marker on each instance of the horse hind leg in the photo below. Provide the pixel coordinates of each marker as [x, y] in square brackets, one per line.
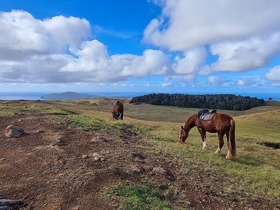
[229, 155]
[221, 143]
[218, 150]
[204, 144]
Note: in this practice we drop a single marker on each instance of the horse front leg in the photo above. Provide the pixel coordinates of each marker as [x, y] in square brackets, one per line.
[203, 138]
[221, 143]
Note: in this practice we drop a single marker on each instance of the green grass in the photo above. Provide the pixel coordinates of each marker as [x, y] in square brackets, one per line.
[97, 123]
[135, 197]
[87, 122]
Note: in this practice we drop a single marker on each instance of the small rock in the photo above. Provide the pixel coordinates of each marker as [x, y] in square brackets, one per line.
[96, 154]
[135, 169]
[159, 170]
[84, 156]
[98, 157]
[95, 139]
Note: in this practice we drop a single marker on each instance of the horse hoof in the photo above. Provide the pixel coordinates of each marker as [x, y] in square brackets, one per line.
[229, 157]
[218, 151]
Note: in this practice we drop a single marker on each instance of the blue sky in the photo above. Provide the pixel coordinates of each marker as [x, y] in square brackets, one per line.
[186, 46]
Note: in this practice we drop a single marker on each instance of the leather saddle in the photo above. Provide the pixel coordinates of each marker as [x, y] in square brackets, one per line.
[206, 114]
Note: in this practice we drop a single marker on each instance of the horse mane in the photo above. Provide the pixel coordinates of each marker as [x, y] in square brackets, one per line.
[190, 120]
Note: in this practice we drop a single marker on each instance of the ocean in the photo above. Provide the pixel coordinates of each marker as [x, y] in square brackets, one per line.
[37, 95]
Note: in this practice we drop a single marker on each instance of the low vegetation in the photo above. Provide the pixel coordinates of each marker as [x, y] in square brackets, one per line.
[131, 196]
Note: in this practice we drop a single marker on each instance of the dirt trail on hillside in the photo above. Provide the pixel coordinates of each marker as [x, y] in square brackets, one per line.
[54, 167]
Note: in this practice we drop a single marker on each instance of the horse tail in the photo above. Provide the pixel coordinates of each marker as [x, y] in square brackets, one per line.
[232, 145]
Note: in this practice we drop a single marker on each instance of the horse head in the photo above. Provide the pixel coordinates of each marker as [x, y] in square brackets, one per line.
[183, 135]
[115, 114]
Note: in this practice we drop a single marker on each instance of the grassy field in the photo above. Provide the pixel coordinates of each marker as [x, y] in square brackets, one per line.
[256, 170]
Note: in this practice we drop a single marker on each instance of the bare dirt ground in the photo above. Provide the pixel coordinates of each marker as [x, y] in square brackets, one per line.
[55, 167]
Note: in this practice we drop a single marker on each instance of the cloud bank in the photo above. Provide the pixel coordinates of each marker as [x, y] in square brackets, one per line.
[241, 35]
[59, 50]
[189, 39]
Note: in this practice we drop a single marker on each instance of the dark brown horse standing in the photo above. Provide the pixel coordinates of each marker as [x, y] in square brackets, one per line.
[118, 109]
[220, 123]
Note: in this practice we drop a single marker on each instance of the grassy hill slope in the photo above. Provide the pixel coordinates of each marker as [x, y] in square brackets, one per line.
[255, 172]
[257, 166]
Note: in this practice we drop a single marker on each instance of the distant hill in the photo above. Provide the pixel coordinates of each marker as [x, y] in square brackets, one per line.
[68, 96]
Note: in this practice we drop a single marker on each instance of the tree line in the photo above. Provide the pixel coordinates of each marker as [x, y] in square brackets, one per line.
[211, 101]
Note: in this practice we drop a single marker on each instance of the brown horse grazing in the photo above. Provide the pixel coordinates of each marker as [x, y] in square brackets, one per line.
[220, 123]
[118, 109]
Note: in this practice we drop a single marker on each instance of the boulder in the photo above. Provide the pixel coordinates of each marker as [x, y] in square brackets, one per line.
[13, 131]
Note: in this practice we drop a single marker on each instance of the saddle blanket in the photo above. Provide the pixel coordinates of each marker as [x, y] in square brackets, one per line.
[206, 114]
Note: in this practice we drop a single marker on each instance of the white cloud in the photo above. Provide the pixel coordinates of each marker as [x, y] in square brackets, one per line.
[245, 55]
[93, 59]
[215, 80]
[152, 62]
[33, 50]
[241, 82]
[191, 62]
[65, 32]
[59, 49]
[242, 35]
[92, 56]
[185, 24]
[166, 84]
[22, 34]
[249, 82]
[273, 74]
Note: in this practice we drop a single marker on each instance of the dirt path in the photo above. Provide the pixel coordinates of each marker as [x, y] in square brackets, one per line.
[54, 167]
